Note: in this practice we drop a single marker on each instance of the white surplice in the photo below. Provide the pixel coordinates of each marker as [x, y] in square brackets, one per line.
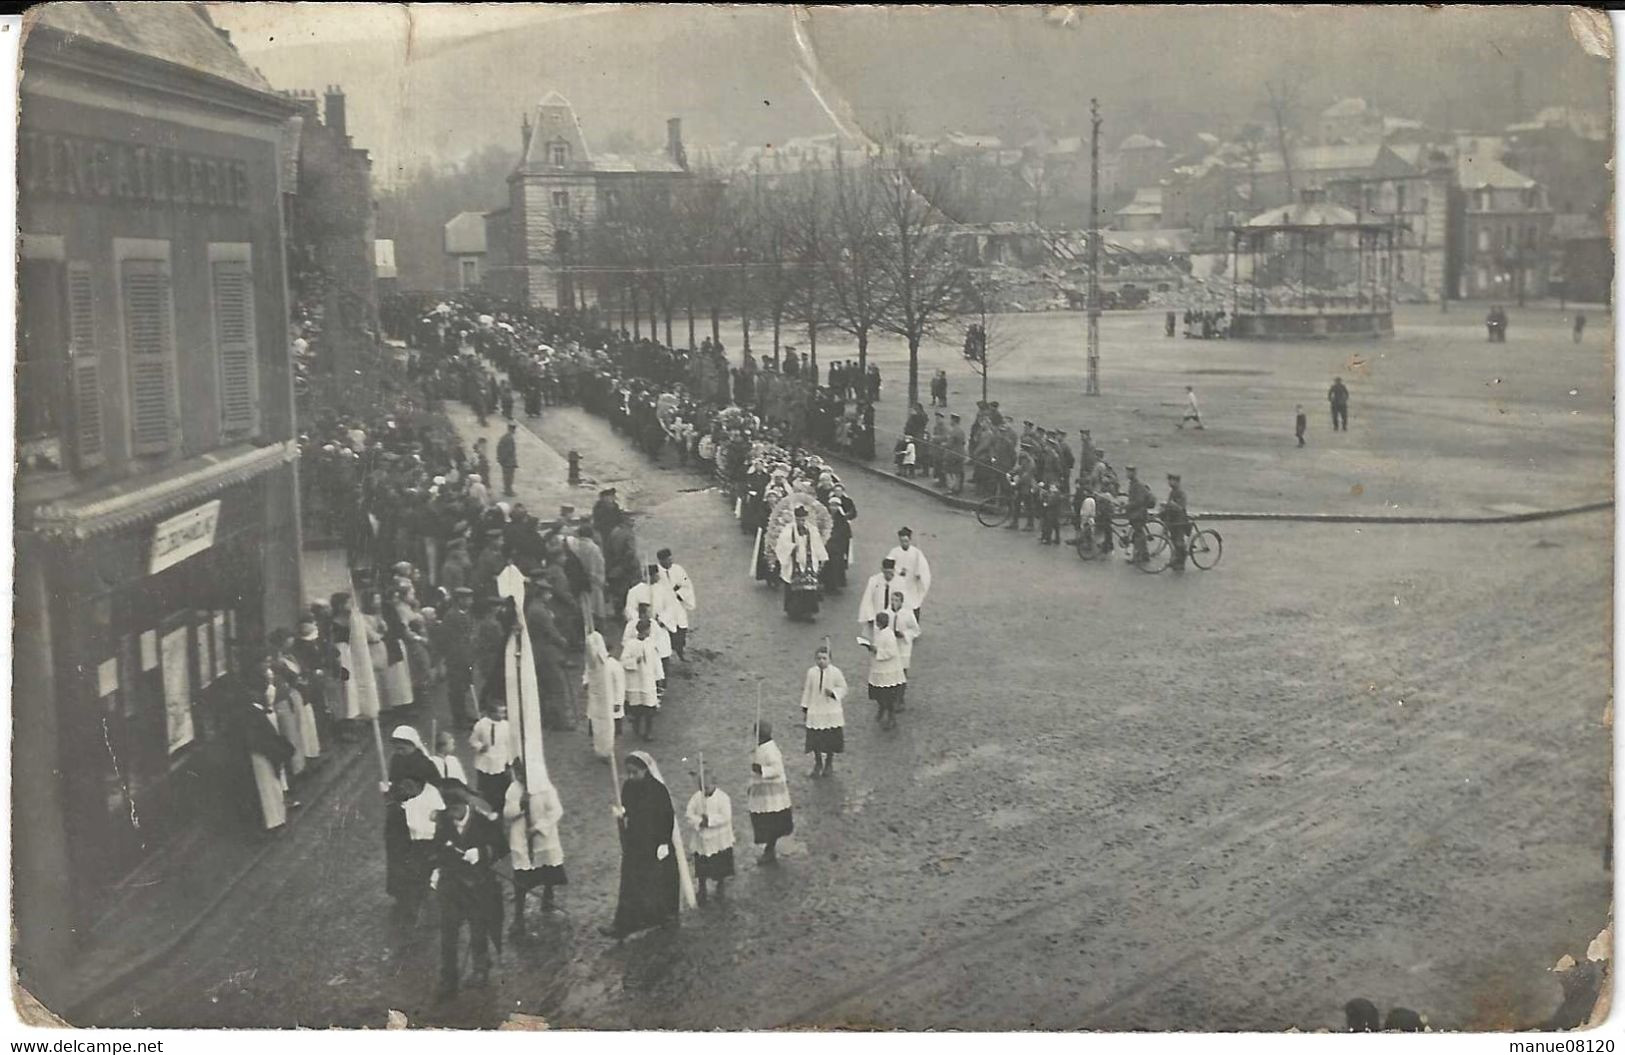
[914, 570]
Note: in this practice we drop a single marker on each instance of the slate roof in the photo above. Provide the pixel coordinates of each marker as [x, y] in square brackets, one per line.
[180, 34]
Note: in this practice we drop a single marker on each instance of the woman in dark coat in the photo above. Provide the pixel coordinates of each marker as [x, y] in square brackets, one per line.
[652, 862]
[406, 866]
[844, 511]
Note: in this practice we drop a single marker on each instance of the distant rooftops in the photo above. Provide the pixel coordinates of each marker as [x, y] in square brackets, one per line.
[1139, 141]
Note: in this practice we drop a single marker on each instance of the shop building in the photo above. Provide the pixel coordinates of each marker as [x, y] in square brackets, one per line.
[157, 534]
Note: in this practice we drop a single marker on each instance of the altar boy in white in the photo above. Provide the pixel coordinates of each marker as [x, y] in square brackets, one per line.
[710, 814]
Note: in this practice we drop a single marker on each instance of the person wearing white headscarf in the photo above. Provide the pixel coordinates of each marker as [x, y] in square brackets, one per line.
[654, 871]
[413, 798]
[605, 681]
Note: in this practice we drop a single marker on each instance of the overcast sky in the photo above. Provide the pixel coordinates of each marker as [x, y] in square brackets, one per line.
[449, 79]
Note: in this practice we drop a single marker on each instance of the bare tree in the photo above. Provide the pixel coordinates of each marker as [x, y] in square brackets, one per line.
[810, 229]
[986, 339]
[924, 278]
[772, 271]
[1283, 100]
[739, 225]
[853, 263]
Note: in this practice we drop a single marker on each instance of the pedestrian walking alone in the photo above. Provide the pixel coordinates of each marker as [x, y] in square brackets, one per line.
[1192, 411]
[508, 457]
[1338, 397]
[1302, 424]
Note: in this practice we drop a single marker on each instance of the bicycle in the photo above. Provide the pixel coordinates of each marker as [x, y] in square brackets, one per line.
[1158, 552]
[1203, 546]
[999, 507]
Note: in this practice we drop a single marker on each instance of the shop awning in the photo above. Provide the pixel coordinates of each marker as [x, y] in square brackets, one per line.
[130, 502]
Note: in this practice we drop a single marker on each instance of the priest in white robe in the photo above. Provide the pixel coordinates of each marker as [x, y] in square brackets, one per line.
[801, 554]
[676, 578]
[877, 592]
[912, 568]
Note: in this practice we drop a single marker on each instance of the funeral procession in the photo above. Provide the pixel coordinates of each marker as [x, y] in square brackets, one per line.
[769, 518]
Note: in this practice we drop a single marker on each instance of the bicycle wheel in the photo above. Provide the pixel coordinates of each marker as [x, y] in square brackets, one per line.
[1093, 551]
[993, 511]
[1206, 549]
[1156, 538]
[1159, 554]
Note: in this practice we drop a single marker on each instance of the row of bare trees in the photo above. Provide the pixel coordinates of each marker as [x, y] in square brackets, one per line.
[861, 245]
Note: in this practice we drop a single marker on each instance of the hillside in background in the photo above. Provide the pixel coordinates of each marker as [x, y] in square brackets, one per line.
[733, 74]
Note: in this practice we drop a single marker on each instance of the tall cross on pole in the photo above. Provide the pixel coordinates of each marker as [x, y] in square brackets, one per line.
[1091, 384]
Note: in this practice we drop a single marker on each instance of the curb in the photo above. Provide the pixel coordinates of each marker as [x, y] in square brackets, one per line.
[1293, 518]
[167, 948]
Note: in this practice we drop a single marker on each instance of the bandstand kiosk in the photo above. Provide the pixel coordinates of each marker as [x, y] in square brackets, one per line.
[1312, 269]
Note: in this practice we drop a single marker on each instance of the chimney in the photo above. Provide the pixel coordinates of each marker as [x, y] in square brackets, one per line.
[335, 110]
[674, 142]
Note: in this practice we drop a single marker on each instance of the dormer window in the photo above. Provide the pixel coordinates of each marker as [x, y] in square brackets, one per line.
[558, 153]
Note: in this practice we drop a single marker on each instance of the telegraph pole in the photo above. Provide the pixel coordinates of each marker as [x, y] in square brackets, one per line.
[1091, 384]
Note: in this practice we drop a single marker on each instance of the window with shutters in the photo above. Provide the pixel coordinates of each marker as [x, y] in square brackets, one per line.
[85, 367]
[231, 291]
[42, 365]
[147, 311]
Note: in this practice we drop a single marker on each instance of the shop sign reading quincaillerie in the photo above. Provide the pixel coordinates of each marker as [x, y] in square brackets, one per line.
[183, 536]
[77, 167]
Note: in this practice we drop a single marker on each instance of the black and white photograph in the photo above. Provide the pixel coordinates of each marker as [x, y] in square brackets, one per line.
[633, 517]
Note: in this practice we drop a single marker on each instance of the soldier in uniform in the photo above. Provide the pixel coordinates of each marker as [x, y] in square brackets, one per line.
[1064, 452]
[1139, 506]
[936, 454]
[1177, 520]
[954, 459]
[1026, 492]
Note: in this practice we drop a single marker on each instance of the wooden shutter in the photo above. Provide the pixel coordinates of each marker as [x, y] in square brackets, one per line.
[149, 344]
[233, 290]
[85, 367]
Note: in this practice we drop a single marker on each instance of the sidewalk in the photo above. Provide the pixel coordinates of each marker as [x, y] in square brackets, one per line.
[1502, 513]
[542, 481]
[153, 910]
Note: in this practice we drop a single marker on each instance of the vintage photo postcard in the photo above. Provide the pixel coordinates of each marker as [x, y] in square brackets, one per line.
[632, 517]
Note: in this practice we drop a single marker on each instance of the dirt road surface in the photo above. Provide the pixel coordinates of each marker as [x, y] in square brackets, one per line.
[1348, 762]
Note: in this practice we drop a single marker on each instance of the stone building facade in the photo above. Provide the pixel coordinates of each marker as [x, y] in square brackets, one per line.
[560, 189]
